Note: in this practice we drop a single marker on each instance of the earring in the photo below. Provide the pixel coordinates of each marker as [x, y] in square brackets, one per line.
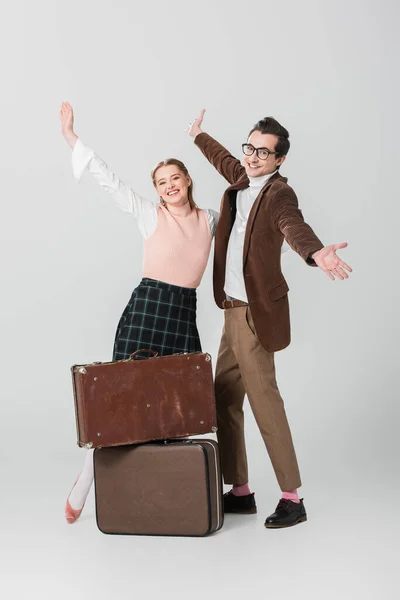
[162, 201]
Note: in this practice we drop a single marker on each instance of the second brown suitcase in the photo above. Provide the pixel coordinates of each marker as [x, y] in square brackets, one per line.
[170, 488]
[134, 401]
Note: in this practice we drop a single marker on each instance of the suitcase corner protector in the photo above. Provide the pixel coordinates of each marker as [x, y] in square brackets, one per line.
[87, 445]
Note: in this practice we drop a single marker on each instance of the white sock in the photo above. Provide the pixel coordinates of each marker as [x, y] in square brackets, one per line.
[82, 487]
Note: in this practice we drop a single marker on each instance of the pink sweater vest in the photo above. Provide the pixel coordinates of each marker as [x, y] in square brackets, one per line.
[177, 252]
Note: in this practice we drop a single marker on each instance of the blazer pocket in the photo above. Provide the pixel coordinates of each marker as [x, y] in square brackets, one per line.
[278, 291]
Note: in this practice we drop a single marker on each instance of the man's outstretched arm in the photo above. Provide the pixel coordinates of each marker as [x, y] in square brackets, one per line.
[227, 165]
[289, 219]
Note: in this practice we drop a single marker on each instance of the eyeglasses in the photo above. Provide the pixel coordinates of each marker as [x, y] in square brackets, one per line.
[262, 153]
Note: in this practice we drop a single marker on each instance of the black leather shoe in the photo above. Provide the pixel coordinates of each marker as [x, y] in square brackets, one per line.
[287, 514]
[242, 505]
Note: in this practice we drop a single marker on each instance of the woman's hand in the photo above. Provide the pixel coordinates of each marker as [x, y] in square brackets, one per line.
[67, 124]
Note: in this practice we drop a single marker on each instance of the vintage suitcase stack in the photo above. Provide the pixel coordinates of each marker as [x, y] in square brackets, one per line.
[148, 481]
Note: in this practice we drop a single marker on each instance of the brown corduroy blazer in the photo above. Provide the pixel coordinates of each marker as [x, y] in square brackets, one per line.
[274, 216]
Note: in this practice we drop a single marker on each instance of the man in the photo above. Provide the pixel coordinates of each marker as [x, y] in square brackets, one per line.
[258, 211]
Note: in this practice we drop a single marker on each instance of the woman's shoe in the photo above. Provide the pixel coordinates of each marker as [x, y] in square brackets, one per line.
[71, 514]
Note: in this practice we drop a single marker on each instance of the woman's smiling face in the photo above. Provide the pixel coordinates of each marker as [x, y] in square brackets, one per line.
[172, 185]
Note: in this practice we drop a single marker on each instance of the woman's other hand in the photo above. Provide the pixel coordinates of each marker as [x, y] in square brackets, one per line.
[67, 124]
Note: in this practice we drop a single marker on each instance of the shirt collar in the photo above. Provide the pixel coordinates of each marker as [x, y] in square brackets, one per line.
[259, 182]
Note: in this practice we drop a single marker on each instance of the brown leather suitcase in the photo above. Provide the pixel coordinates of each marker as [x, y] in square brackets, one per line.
[170, 488]
[134, 401]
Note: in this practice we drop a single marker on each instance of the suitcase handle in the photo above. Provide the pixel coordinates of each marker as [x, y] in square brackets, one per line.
[153, 352]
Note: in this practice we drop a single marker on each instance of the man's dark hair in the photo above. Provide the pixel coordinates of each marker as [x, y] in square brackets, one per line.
[271, 126]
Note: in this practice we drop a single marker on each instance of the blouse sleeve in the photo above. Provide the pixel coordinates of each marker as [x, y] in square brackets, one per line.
[145, 211]
[212, 216]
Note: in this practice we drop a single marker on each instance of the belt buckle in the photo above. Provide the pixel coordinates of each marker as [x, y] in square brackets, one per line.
[227, 302]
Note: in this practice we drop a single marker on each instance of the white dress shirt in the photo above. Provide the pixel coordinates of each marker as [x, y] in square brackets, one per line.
[234, 280]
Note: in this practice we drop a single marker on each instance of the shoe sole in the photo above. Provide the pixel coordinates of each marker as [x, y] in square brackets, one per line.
[299, 520]
[251, 511]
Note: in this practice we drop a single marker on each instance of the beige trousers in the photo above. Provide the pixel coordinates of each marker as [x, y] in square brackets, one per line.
[245, 367]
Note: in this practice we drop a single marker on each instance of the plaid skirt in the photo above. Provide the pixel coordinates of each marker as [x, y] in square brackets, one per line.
[159, 316]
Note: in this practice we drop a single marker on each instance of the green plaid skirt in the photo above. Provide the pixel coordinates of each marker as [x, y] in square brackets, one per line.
[159, 316]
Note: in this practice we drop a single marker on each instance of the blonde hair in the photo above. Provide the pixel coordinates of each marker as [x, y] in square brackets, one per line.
[177, 163]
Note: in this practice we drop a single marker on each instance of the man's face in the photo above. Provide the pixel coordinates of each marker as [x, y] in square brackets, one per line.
[255, 166]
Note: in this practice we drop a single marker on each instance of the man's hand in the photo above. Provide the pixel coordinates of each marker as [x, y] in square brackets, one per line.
[328, 261]
[67, 123]
[194, 127]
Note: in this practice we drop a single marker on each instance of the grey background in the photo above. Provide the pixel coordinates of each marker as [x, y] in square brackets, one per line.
[136, 73]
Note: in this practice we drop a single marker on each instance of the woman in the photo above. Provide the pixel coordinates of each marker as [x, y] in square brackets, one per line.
[161, 313]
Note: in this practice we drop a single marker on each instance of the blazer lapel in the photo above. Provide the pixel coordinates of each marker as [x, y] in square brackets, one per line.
[253, 213]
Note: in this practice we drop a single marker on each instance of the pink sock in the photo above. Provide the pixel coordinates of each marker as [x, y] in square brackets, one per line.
[241, 490]
[293, 496]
